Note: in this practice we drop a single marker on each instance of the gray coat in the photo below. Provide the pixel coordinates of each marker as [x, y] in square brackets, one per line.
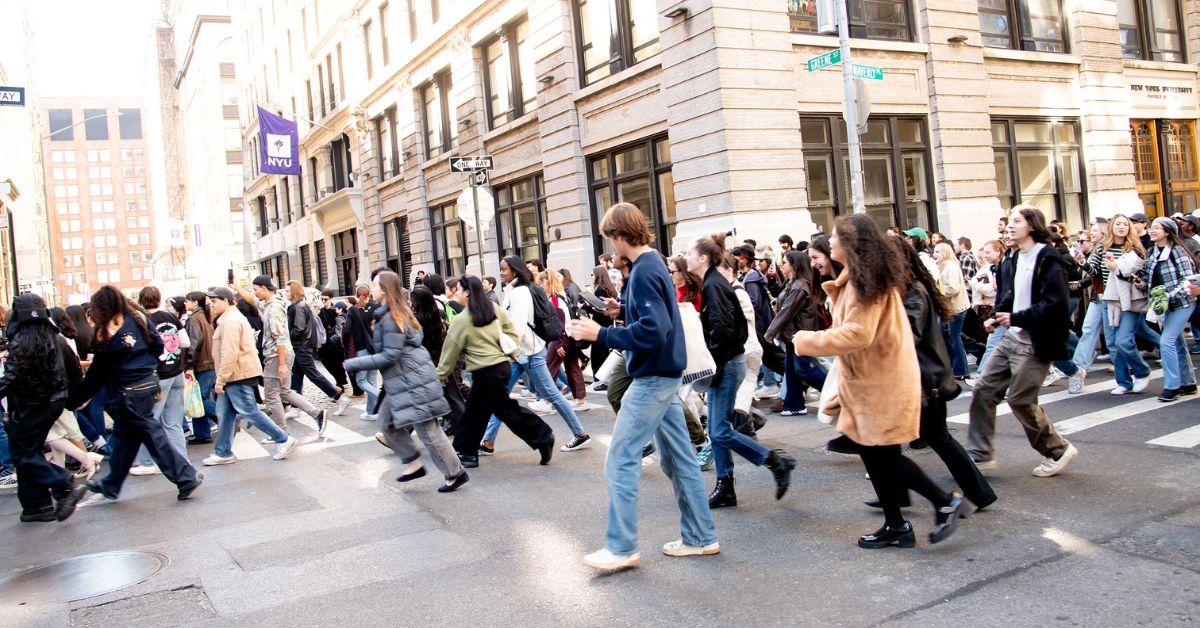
[409, 377]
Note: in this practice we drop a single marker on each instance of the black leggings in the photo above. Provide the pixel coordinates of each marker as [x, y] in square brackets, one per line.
[892, 473]
[304, 366]
[966, 474]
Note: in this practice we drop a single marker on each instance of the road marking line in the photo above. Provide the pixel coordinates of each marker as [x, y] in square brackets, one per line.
[335, 435]
[1107, 415]
[1184, 439]
[246, 447]
[1002, 409]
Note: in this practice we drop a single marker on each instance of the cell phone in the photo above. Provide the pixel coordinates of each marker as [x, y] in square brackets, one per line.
[594, 301]
[229, 277]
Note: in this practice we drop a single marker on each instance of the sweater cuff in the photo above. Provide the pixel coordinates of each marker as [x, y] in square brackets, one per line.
[600, 337]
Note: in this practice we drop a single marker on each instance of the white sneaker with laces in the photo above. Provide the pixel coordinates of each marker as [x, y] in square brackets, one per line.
[282, 450]
[1052, 377]
[292, 414]
[1075, 382]
[579, 405]
[1119, 390]
[604, 559]
[541, 407]
[8, 480]
[679, 548]
[215, 460]
[343, 404]
[367, 417]
[766, 392]
[1140, 383]
[1051, 467]
[144, 470]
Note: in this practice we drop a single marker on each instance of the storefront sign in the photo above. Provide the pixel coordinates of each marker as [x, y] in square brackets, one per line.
[1162, 97]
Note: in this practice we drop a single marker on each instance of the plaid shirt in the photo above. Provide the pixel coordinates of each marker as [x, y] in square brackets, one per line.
[275, 325]
[968, 264]
[1172, 272]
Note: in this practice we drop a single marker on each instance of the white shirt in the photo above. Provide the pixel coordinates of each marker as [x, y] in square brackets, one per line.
[1023, 288]
[518, 304]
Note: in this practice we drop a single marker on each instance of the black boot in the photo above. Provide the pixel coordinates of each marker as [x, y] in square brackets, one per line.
[946, 518]
[781, 464]
[722, 494]
[31, 516]
[901, 535]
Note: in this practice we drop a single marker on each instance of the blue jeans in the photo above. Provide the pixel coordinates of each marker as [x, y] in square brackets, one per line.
[201, 428]
[1145, 332]
[1176, 362]
[993, 339]
[543, 383]
[651, 407]
[725, 439]
[952, 332]
[239, 400]
[1068, 366]
[91, 416]
[1085, 351]
[767, 377]
[168, 410]
[5, 457]
[799, 371]
[367, 382]
[1127, 360]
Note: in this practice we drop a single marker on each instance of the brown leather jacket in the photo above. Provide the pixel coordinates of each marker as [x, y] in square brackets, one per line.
[200, 334]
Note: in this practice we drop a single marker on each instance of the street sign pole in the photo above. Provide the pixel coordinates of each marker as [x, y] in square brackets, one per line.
[478, 233]
[850, 111]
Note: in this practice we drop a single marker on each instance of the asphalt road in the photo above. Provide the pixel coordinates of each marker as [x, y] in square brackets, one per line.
[328, 537]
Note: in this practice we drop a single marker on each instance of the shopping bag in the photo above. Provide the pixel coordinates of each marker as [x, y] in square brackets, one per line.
[829, 406]
[193, 402]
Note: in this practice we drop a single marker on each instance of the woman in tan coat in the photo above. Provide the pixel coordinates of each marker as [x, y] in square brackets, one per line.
[878, 396]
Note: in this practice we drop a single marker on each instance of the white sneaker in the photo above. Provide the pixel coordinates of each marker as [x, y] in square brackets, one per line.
[541, 407]
[766, 392]
[215, 460]
[282, 450]
[1051, 468]
[1140, 384]
[986, 465]
[1052, 377]
[144, 470]
[969, 382]
[343, 404]
[267, 440]
[525, 394]
[604, 559]
[679, 548]
[579, 405]
[292, 414]
[1119, 390]
[368, 417]
[1075, 382]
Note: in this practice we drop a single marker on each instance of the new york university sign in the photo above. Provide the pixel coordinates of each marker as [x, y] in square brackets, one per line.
[280, 152]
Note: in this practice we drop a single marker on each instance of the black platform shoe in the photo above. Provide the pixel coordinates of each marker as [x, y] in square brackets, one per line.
[722, 495]
[901, 535]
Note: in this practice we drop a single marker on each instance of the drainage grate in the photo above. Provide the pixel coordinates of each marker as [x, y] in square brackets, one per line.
[81, 577]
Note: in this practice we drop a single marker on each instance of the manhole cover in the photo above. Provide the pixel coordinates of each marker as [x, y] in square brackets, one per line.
[81, 577]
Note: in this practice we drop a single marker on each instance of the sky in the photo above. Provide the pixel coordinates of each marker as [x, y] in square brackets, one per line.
[93, 47]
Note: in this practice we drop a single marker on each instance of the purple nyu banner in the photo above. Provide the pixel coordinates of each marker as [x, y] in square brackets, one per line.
[280, 152]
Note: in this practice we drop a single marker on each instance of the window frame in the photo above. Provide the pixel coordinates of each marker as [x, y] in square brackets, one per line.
[340, 255]
[367, 27]
[383, 39]
[654, 168]
[438, 225]
[1146, 31]
[388, 117]
[440, 83]
[398, 261]
[622, 55]
[859, 27]
[1013, 148]
[516, 91]
[322, 267]
[95, 121]
[1019, 26]
[508, 213]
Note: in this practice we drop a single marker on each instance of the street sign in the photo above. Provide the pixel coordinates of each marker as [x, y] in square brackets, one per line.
[866, 72]
[12, 96]
[466, 164]
[479, 177]
[820, 62]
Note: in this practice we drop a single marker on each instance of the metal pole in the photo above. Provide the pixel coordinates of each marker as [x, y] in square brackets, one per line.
[478, 233]
[850, 111]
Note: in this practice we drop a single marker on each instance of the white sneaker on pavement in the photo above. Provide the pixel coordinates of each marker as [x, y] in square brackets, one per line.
[541, 407]
[1051, 468]
[1119, 390]
[766, 392]
[292, 414]
[604, 559]
[343, 404]
[679, 548]
[282, 450]
[144, 470]
[1052, 377]
[368, 417]
[1140, 383]
[1075, 382]
[215, 460]
[579, 405]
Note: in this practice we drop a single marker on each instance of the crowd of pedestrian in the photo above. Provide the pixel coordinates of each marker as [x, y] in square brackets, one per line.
[681, 348]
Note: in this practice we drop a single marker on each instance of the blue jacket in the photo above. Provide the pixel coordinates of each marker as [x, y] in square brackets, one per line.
[653, 334]
[128, 357]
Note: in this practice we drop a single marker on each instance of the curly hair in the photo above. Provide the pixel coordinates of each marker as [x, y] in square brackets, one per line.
[106, 304]
[874, 263]
[30, 350]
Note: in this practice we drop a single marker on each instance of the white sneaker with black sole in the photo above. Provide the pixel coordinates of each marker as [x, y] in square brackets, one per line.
[582, 441]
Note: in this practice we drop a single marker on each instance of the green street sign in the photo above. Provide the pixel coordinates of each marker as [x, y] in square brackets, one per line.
[820, 62]
[866, 72]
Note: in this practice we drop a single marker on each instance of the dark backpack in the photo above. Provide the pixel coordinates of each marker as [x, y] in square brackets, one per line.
[545, 321]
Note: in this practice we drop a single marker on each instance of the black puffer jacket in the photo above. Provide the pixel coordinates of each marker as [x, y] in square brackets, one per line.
[937, 377]
[725, 329]
[414, 394]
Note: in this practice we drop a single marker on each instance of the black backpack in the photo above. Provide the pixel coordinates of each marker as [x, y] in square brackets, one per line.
[545, 321]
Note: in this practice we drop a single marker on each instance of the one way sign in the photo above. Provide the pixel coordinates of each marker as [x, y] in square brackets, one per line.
[468, 164]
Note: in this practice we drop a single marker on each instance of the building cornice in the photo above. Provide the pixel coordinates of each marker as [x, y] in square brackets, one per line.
[187, 58]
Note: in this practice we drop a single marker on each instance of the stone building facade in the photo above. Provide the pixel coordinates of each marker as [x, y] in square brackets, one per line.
[703, 114]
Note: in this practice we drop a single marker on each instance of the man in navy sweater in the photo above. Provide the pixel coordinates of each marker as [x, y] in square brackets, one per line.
[655, 357]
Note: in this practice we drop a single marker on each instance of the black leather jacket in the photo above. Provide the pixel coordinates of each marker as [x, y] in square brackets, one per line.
[721, 314]
[937, 377]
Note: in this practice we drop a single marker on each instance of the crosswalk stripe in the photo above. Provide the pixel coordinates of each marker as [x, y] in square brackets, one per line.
[1184, 439]
[246, 447]
[335, 435]
[1002, 409]
[1107, 415]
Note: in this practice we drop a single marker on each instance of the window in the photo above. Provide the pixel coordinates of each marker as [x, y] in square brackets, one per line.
[285, 208]
[638, 174]
[321, 89]
[308, 97]
[305, 265]
[339, 153]
[614, 34]
[449, 240]
[60, 125]
[435, 115]
[130, 124]
[316, 183]
[136, 273]
[1150, 29]
[322, 268]
[397, 249]
[1023, 24]
[102, 276]
[1038, 162]
[383, 38]
[385, 144]
[508, 79]
[896, 171]
[333, 98]
[345, 252]
[114, 275]
[521, 222]
[95, 126]
[870, 19]
[412, 20]
[368, 44]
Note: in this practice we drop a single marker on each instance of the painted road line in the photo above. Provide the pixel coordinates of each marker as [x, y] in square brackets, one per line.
[247, 447]
[1184, 439]
[1002, 409]
[335, 435]
[1107, 415]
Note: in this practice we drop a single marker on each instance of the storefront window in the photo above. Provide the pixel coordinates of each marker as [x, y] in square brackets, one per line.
[521, 222]
[1023, 25]
[895, 171]
[638, 174]
[870, 19]
[449, 241]
[1038, 163]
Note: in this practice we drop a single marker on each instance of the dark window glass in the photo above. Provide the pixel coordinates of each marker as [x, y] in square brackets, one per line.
[436, 114]
[60, 125]
[1150, 29]
[1040, 166]
[1023, 24]
[509, 80]
[640, 174]
[130, 124]
[614, 35]
[306, 264]
[871, 19]
[449, 240]
[345, 253]
[521, 221]
[96, 124]
[322, 268]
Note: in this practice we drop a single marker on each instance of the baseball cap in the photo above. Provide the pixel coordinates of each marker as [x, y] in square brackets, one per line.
[917, 232]
[1192, 220]
[1138, 217]
[220, 292]
[264, 281]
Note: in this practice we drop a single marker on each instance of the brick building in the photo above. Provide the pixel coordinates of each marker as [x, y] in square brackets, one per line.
[703, 114]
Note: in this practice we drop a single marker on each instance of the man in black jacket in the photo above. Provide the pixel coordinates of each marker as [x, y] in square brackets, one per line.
[1032, 304]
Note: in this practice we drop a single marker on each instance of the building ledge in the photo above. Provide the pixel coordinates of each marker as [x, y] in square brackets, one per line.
[1169, 66]
[344, 196]
[610, 81]
[1030, 55]
[830, 41]
[510, 126]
